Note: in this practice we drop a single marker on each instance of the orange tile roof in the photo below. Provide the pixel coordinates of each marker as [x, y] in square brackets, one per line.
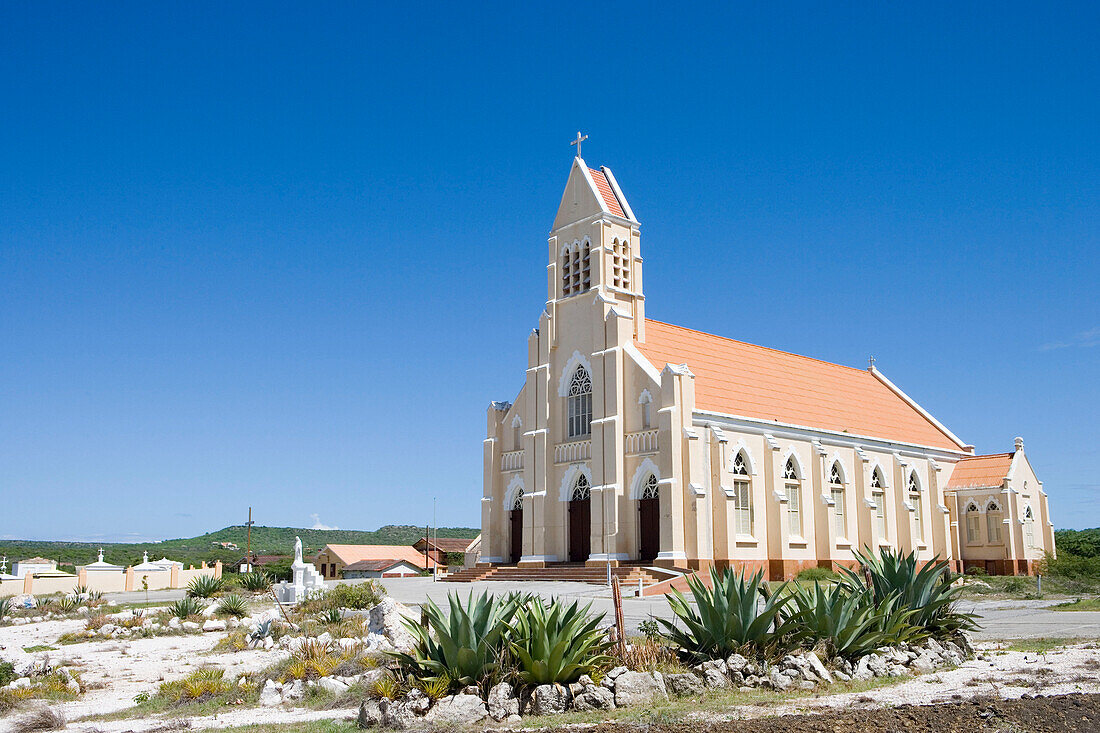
[608, 194]
[975, 471]
[736, 378]
[354, 553]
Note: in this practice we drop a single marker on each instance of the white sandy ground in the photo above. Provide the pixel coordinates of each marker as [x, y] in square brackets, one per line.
[118, 670]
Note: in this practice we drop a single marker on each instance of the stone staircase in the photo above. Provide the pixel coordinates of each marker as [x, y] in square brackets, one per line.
[628, 573]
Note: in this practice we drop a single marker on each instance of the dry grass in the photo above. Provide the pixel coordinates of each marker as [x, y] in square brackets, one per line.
[41, 719]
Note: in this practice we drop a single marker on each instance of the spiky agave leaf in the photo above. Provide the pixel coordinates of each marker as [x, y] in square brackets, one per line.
[725, 618]
[556, 643]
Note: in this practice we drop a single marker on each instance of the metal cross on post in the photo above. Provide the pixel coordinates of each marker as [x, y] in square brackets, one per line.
[578, 141]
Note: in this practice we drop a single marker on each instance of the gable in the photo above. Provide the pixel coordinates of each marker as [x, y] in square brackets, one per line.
[589, 192]
[744, 380]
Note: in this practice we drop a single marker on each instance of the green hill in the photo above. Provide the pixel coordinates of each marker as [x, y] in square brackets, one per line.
[193, 550]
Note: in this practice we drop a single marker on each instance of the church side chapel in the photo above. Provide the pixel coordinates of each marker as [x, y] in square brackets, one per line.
[638, 443]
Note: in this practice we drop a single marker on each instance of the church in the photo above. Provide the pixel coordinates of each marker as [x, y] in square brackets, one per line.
[638, 442]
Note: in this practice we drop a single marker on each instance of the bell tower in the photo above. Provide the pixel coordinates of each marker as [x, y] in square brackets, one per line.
[595, 244]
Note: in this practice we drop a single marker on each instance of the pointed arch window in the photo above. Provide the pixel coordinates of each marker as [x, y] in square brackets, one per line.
[792, 482]
[878, 495]
[582, 491]
[1029, 527]
[973, 525]
[994, 519]
[742, 494]
[836, 489]
[578, 405]
[915, 500]
[649, 488]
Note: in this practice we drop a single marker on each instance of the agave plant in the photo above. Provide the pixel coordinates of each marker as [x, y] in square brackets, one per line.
[465, 645]
[205, 586]
[233, 605]
[922, 589]
[848, 621]
[80, 591]
[555, 643]
[255, 582]
[5, 608]
[261, 632]
[67, 604]
[185, 607]
[330, 616]
[725, 617]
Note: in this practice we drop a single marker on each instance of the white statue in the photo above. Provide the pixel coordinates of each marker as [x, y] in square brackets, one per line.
[297, 550]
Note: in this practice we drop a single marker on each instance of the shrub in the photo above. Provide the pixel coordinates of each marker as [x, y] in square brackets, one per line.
[725, 619]
[465, 645]
[848, 621]
[233, 605]
[650, 629]
[205, 586]
[185, 607]
[816, 574]
[316, 658]
[255, 582]
[7, 672]
[386, 688]
[650, 654]
[975, 570]
[924, 590]
[1016, 585]
[1068, 565]
[41, 719]
[236, 641]
[435, 687]
[357, 596]
[554, 643]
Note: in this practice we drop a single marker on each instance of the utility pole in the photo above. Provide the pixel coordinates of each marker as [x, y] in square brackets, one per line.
[248, 540]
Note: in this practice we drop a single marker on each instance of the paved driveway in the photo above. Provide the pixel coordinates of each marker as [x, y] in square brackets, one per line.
[999, 619]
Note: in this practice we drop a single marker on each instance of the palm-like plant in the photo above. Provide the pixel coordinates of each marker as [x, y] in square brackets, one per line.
[185, 607]
[5, 608]
[67, 604]
[555, 643]
[466, 644]
[734, 614]
[233, 605]
[256, 581]
[205, 586]
[924, 590]
[848, 621]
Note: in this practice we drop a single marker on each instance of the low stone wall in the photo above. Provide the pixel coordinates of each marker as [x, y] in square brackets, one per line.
[621, 687]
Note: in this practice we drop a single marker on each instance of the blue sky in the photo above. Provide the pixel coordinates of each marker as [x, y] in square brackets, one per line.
[284, 255]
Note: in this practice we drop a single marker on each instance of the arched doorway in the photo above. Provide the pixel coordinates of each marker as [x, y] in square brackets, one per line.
[516, 521]
[649, 521]
[580, 521]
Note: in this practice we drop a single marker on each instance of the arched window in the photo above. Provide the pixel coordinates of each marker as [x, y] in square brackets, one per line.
[649, 488]
[579, 405]
[915, 500]
[645, 402]
[620, 263]
[517, 502]
[517, 433]
[576, 268]
[836, 488]
[994, 518]
[793, 484]
[973, 525]
[878, 495]
[1029, 527]
[581, 490]
[742, 494]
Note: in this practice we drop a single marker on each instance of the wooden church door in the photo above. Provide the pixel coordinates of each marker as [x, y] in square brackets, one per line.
[580, 521]
[649, 521]
[517, 533]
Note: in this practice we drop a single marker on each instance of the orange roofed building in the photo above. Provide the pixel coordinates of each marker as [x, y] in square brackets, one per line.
[636, 441]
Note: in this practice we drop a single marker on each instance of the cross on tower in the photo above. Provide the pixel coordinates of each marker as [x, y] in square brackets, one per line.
[578, 142]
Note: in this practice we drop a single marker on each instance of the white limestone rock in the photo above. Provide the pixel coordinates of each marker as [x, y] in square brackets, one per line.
[683, 685]
[549, 699]
[818, 667]
[386, 619]
[503, 702]
[213, 624]
[271, 694]
[328, 684]
[779, 680]
[458, 709]
[595, 697]
[370, 714]
[639, 688]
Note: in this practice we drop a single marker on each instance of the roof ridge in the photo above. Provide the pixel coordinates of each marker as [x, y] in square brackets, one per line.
[1009, 454]
[858, 370]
